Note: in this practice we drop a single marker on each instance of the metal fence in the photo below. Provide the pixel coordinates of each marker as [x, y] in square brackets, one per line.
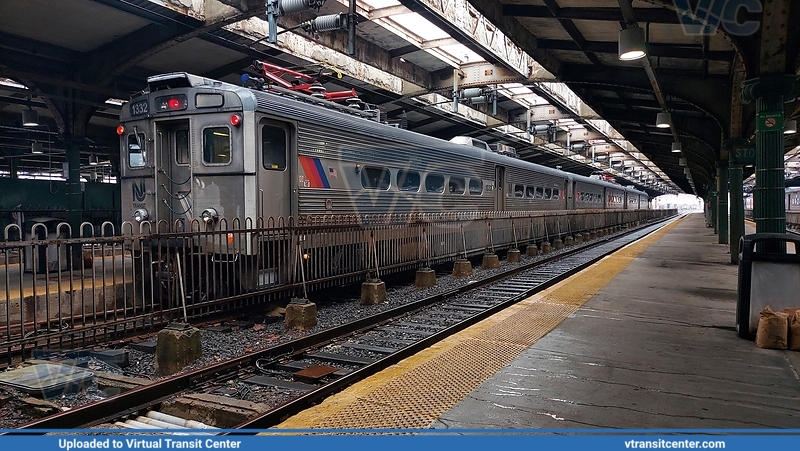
[66, 289]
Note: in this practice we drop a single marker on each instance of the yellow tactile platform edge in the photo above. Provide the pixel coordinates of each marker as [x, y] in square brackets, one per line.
[412, 394]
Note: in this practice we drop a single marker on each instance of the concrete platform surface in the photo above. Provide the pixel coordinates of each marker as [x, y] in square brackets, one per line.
[654, 348]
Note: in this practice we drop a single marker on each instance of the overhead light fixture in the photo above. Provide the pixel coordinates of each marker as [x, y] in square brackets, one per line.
[93, 160]
[790, 127]
[37, 148]
[663, 120]
[677, 147]
[30, 118]
[631, 44]
[682, 162]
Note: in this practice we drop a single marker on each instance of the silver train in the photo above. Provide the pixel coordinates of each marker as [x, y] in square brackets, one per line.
[200, 154]
[195, 148]
[791, 200]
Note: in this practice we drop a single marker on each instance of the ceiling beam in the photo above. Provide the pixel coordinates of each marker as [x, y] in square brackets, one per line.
[655, 50]
[652, 15]
[573, 32]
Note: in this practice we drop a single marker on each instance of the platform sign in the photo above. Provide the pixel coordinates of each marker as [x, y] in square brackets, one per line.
[743, 155]
[770, 121]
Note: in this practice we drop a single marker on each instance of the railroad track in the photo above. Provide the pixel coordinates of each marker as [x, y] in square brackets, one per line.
[335, 358]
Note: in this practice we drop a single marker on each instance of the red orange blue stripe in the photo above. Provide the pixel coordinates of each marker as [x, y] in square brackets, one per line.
[315, 173]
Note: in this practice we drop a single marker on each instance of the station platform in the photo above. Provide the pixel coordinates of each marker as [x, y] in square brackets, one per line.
[644, 338]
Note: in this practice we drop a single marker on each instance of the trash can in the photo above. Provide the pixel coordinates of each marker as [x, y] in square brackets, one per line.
[765, 279]
[44, 257]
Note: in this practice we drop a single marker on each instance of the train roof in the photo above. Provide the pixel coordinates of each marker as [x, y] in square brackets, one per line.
[300, 106]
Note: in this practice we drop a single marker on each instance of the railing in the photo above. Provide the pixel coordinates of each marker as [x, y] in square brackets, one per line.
[65, 289]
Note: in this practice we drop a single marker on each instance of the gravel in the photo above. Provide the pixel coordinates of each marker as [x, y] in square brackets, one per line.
[219, 346]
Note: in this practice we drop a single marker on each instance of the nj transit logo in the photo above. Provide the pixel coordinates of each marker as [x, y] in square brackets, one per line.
[138, 191]
[708, 15]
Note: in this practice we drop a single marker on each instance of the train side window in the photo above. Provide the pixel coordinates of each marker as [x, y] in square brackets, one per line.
[529, 192]
[519, 190]
[408, 180]
[556, 194]
[137, 155]
[456, 185]
[475, 187]
[548, 193]
[434, 183]
[182, 146]
[375, 178]
[216, 146]
[273, 148]
[539, 192]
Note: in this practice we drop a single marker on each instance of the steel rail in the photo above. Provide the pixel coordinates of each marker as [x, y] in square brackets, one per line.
[143, 397]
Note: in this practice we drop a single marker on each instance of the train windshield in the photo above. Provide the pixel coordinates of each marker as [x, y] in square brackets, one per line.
[137, 157]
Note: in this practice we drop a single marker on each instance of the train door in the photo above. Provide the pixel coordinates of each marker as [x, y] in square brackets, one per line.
[275, 190]
[173, 171]
[568, 200]
[500, 188]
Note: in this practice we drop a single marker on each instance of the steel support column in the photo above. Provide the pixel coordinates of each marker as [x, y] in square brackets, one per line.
[722, 201]
[74, 193]
[712, 206]
[769, 93]
[737, 210]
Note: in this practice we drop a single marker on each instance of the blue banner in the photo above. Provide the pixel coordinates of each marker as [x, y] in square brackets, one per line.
[389, 440]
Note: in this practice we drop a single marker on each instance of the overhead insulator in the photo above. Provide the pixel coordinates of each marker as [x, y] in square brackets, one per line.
[327, 23]
[471, 92]
[478, 100]
[295, 6]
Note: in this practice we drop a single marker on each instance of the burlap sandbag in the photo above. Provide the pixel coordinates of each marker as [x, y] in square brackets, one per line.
[794, 331]
[773, 329]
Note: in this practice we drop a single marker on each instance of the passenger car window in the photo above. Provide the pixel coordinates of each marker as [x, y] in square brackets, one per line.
[519, 191]
[456, 185]
[434, 183]
[529, 192]
[273, 148]
[556, 194]
[408, 180]
[216, 146]
[375, 178]
[475, 187]
[548, 193]
[539, 192]
[137, 155]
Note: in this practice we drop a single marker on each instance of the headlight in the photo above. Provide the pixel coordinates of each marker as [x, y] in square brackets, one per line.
[140, 214]
[209, 215]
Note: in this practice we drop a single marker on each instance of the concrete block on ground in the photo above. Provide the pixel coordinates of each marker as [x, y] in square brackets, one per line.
[569, 241]
[38, 408]
[301, 314]
[112, 384]
[592, 235]
[513, 256]
[578, 238]
[148, 347]
[531, 250]
[462, 268]
[425, 278]
[178, 345]
[544, 247]
[558, 244]
[213, 410]
[117, 357]
[490, 261]
[373, 292]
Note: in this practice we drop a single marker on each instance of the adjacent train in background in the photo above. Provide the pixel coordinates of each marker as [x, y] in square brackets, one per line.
[791, 200]
[196, 150]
